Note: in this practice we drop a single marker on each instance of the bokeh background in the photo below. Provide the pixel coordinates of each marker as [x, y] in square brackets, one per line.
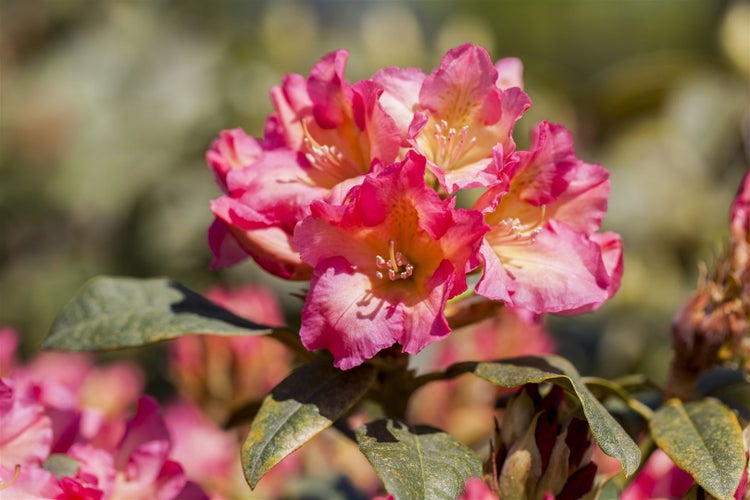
[107, 108]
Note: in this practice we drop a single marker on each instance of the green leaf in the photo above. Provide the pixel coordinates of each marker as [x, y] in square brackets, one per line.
[417, 462]
[61, 465]
[729, 386]
[309, 400]
[704, 439]
[610, 436]
[110, 313]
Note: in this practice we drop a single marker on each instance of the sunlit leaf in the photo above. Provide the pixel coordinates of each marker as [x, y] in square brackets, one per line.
[417, 462]
[610, 436]
[309, 400]
[704, 439]
[112, 312]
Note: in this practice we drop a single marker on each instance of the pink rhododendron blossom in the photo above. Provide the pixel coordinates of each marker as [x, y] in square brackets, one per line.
[97, 467]
[541, 252]
[28, 483]
[660, 478]
[8, 348]
[208, 453]
[339, 128]
[386, 262]
[233, 149]
[476, 489]
[740, 213]
[463, 117]
[112, 389]
[25, 430]
[740, 225]
[219, 373]
[509, 73]
[324, 132]
[143, 467]
[84, 401]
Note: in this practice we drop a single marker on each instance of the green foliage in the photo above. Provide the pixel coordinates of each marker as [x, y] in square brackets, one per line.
[417, 462]
[61, 465]
[703, 438]
[308, 401]
[111, 313]
[610, 436]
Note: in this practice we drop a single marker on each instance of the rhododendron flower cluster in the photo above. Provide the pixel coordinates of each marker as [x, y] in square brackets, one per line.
[353, 186]
[81, 418]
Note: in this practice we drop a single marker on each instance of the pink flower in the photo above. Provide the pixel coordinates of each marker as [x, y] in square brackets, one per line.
[660, 478]
[25, 430]
[208, 454]
[740, 225]
[325, 132]
[509, 73]
[142, 462]
[84, 401]
[386, 261]
[29, 483]
[267, 198]
[476, 489]
[462, 115]
[8, 348]
[97, 470]
[340, 128]
[220, 373]
[541, 252]
[233, 149]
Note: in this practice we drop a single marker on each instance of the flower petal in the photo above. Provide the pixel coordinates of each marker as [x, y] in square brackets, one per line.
[342, 315]
[562, 271]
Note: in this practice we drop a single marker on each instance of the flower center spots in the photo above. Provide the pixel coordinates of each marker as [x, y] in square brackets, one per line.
[396, 266]
[511, 231]
[452, 144]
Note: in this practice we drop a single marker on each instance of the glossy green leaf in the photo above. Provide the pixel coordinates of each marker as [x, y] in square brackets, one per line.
[309, 400]
[610, 436]
[703, 438]
[417, 462]
[111, 312]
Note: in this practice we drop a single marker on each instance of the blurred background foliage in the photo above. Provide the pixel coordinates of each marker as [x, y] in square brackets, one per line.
[107, 108]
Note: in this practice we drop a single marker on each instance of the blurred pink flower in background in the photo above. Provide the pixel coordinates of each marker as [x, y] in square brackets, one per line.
[659, 478]
[220, 373]
[8, 348]
[25, 430]
[476, 489]
[63, 405]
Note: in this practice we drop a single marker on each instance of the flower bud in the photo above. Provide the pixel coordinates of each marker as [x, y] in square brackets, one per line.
[543, 448]
[712, 325]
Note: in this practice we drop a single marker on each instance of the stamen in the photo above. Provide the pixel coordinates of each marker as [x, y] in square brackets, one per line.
[326, 158]
[452, 144]
[16, 473]
[511, 231]
[397, 267]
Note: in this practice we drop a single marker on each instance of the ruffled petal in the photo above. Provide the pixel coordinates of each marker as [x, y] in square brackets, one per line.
[342, 315]
[561, 271]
